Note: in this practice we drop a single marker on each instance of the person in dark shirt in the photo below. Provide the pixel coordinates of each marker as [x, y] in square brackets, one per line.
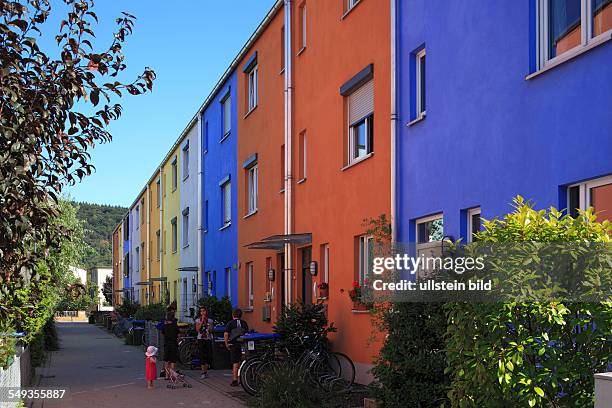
[233, 330]
[170, 332]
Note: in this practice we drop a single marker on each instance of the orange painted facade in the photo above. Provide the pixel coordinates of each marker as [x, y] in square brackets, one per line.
[154, 230]
[117, 264]
[330, 199]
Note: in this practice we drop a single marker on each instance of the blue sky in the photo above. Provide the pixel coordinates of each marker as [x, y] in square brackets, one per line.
[189, 44]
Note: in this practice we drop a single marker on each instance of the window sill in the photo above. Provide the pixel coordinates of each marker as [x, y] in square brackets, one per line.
[571, 54]
[248, 310]
[300, 181]
[174, 189]
[282, 71]
[281, 191]
[347, 12]
[356, 311]
[225, 136]
[250, 111]
[174, 252]
[226, 226]
[206, 231]
[250, 214]
[417, 120]
[205, 151]
[186, 177]
[357, 161]
[185, 246]
[300, 51]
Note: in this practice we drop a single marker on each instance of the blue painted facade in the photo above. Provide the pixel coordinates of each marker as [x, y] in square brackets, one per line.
[127, 237]
[490, 133]
[220, 245]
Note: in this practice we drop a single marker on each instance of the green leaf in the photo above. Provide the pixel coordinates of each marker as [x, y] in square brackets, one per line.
[539, 391]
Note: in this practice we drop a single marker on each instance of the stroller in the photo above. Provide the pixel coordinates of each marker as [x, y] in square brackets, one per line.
[176, 379]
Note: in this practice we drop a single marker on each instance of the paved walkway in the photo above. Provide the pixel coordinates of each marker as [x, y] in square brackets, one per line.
[100, 371]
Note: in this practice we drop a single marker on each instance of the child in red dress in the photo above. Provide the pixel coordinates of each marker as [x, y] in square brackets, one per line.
[151, 368]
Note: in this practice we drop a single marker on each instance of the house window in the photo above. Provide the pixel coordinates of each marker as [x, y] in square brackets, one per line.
[594, 193]
[158, 187]
[158, 242]
[186, 160]
[564, 25]
[174, 174]
[174, 235]
[205, 137]
[142, 254]
[302, 34]
[137, 217]
[282, 53]
[185, 227]
[302, 151]
[429, 233]
[252, 88]
[228, 282]
[365, 254]
[420, 94]
[473, 223]
[226, 192]
[250, 284]
[361, 122]
[349, 4]
[252, 188]
[227, 116]
[325, 262]
[137, 260]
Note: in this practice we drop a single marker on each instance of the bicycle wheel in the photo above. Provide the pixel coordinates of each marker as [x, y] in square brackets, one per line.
[248, 374]
[187, 350]
[342, 364]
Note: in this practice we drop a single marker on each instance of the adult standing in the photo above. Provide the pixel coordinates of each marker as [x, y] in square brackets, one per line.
[170, 332]
[204, 326]
[234, 329]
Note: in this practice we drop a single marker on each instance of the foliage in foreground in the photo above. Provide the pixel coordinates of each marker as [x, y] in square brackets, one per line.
[515, 354]
[299, 320]
[45, 140]
[155, 312]
[287, 386]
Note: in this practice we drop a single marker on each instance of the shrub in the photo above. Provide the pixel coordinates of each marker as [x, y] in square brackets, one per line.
[287, 386]
[298, 320]
[409, 369]
[218, 309]
[530, 354]
[127, 308]
[155, 312]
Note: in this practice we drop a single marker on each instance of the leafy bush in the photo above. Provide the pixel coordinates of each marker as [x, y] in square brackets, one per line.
[218, 309]
[409, 370]
[287, 386]
[299, 320]
[530, 354]
[155, 311]
[127, 308]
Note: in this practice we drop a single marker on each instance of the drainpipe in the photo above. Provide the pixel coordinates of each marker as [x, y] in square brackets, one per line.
[199, 196]
[148, 243]
[394, 121]
[288, 154]
[161, 237]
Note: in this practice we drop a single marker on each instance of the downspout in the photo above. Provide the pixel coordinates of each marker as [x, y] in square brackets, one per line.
[148, 243]
[394, 121]
[288, 154]
[162, 234]
[200, 197]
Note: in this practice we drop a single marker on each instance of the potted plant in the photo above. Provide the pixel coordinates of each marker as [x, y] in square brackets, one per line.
[323, 290]
[355, 294]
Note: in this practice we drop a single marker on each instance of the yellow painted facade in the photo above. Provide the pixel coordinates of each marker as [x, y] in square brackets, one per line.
[170, 231]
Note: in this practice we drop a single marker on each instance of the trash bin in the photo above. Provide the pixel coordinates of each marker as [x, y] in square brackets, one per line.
[137, 333]
[91, 319]
[220, 355]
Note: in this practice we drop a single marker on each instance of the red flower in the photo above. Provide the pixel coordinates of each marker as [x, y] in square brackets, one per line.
[355, 284]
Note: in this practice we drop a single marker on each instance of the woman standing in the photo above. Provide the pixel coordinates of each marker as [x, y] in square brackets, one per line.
[204, 326]
[170, 332]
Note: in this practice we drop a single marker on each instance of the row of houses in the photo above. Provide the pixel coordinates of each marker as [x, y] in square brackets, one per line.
[335, 112]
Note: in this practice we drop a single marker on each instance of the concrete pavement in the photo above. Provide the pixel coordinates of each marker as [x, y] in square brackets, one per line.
[100, 371]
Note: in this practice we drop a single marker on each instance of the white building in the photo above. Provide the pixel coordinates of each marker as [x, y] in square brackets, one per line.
[98, 276]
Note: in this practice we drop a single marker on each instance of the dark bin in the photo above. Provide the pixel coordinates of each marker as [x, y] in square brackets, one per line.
[220, 355]
[137, 332]
[91, 319]
[109, 322]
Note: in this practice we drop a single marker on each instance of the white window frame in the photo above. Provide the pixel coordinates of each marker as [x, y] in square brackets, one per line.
[226, 109]
[424, 220]
[250, 285]
[185, 161]
[586, 37]
[252, 188]
[174, 232]
[421, 111]
[228, 282]
[174, 174]
[227, 215]
[185, 226]
[585, 189]
[326, 263]
[137, 257]
[304, 153]
[158, 243]
[159, 194]
[470, 213]
[303, 11]
[137, 216]
[252, 87]
[351, 3]
[365, 257]
[352, 130]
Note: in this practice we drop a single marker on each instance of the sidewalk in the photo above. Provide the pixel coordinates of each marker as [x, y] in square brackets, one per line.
[100, 371]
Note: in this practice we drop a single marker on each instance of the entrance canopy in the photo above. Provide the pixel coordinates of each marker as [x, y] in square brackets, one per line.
[277, 242]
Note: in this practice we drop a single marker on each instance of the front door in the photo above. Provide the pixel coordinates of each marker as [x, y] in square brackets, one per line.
[306, 276]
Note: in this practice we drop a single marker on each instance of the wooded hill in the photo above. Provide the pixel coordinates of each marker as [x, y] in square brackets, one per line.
[99, 222]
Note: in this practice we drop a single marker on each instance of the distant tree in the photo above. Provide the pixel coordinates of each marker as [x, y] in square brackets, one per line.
[45, 138]
[107, 289]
